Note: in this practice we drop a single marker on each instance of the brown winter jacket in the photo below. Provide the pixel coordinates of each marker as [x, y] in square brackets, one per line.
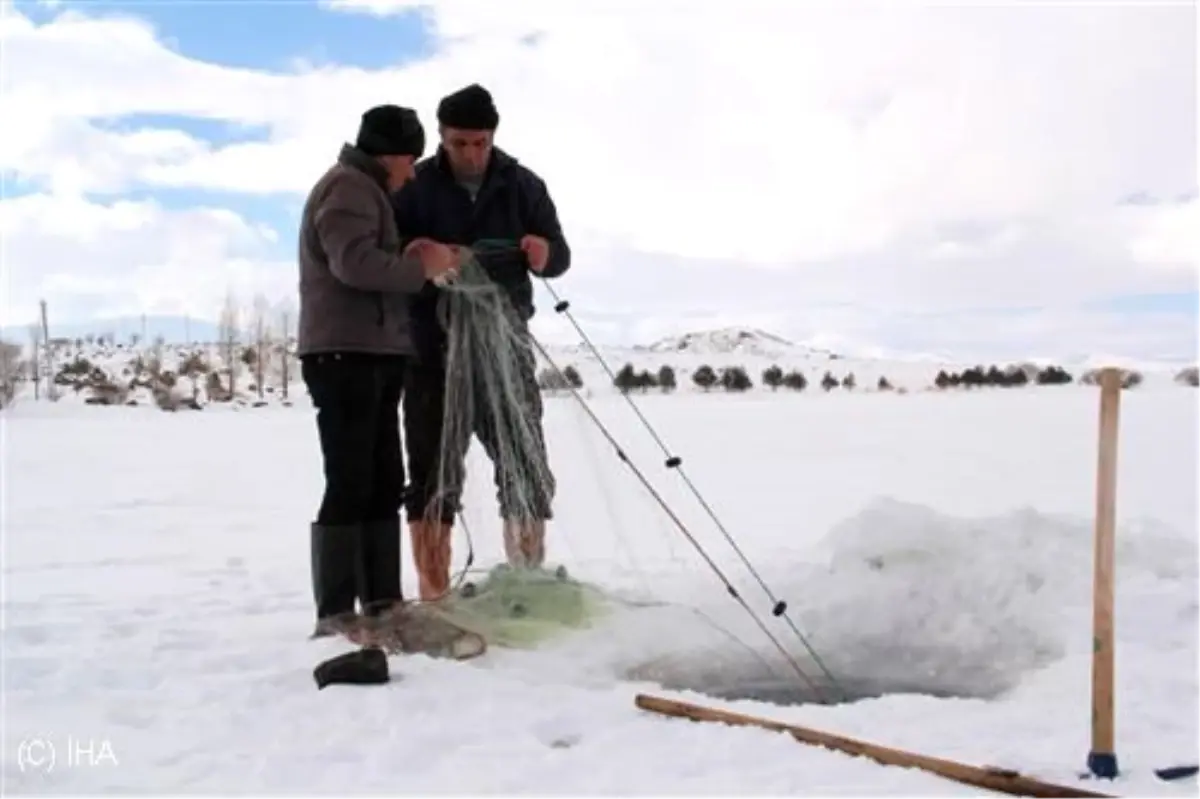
[354, 285]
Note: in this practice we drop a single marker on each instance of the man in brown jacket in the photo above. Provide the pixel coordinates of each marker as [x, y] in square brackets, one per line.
[354, 345]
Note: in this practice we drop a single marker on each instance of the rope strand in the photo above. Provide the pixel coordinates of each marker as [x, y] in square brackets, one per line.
[487, 352]
[675, 462]
[683, 529]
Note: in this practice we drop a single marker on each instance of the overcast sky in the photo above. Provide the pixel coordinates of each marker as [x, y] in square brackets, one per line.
[1010, 180]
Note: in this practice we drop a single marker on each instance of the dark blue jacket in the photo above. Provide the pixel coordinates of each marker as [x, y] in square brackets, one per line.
[513, 202]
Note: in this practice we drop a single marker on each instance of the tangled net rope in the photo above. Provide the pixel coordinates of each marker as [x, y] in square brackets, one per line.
[491, 393]
[491, 390]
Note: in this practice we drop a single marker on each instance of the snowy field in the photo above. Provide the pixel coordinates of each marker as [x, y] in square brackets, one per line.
[156, 602]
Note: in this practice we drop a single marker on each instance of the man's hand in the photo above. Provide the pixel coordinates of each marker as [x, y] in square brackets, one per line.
[537, 250]
[439, 261]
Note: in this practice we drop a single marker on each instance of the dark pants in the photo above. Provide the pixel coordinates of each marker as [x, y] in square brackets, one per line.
[357, 398]
[424, 401]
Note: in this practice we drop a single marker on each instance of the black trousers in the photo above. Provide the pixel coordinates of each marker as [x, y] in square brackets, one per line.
[424, 414]
[357, 398]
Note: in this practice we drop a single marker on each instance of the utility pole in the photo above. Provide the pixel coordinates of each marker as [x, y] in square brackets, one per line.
[51, 393]
[35, 360]
[284, 355]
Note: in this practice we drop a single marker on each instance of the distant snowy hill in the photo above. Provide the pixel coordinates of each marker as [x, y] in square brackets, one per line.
[756, 350]
[751, 349]
[729, 340]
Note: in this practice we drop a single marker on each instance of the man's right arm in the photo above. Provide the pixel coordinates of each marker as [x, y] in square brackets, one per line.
[348, 229]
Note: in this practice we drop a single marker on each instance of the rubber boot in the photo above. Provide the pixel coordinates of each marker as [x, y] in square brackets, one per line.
[381, 566]
[336, 576]
[525, 543]
[431, 555]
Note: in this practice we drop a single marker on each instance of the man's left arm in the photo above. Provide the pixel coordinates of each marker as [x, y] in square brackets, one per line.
[543, 222]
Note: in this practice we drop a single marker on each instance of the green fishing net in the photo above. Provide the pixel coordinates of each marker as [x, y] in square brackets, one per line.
[522, 608]
[488, 355]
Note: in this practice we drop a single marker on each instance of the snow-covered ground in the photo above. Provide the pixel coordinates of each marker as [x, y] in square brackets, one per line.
[156, 601]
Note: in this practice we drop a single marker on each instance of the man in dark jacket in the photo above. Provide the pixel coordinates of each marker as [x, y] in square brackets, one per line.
[471, 190]
[354, 344]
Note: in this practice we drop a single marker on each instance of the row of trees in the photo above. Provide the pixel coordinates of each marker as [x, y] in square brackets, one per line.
[555, 380]
[255, 346]
[729, 378]
[12, 371]
[1017, 376]
[1011, 377]
[172, 386]
[736, 378]
[255, 340]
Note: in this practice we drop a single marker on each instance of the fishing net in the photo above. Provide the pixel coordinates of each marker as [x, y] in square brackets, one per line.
[491, 389]
[523, 608]
[491, 394]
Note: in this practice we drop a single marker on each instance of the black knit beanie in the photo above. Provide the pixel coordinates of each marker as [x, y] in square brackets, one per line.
[470, 108]
[391, 130]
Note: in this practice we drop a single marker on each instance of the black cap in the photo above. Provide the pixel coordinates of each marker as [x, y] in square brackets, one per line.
[391, 130]
[470, 108]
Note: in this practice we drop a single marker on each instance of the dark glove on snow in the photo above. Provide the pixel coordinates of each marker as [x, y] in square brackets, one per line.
[361, 667]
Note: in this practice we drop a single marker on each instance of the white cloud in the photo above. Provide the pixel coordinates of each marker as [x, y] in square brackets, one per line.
[889, 156]
[1165, 236]
[129, 257]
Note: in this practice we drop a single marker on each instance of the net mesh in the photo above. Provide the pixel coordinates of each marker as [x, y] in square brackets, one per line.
[491, 392]
[522, 608]
[492, 395]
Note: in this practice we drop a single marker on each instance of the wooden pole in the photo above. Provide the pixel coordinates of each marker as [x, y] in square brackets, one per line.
[51, 390]
[993, 779]
[35, 338]
[1102, 759]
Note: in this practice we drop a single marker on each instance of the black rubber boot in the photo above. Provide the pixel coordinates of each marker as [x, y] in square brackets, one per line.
[336, 575]
[381, 565]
